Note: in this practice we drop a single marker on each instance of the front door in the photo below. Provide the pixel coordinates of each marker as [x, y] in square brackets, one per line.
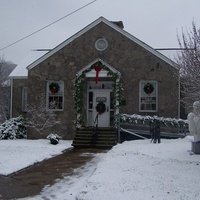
[101, 100]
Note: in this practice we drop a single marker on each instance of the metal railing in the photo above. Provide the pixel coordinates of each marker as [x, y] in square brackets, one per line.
[140, 126]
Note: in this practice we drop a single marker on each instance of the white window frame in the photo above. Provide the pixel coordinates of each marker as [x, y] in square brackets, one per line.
[143, 82]
[24, 99]
[59, 94]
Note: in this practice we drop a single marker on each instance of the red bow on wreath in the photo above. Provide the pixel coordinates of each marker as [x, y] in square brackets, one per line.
[97, 69]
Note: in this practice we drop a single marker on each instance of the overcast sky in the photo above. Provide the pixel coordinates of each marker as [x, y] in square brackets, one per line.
[155, 22]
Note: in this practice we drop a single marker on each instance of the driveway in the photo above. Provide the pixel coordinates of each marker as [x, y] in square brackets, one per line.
[32, 180]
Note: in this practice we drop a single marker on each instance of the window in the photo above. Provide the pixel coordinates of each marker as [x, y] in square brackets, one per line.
[148, 96]
[101, 44]
[24, 99]
[55, 95]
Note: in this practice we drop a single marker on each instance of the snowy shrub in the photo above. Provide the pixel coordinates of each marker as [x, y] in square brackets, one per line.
[54, 138]
[13, 129]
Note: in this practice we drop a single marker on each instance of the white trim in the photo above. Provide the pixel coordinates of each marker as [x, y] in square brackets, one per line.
[151, 81]
[92, 110]
[94, 90]
[94, 61]
[92, 74]
[98, 42]
[110, 24]
[18, 77]
[11, 97]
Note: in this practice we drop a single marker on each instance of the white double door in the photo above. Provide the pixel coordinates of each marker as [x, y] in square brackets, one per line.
[103, 96]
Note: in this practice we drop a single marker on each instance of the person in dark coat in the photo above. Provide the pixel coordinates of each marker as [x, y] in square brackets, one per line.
[155, 131]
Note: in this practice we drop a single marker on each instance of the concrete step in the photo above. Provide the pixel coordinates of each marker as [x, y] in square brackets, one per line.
[99, 138]
[92, 145]
[99, 135]
[96, 142]
[106, 137]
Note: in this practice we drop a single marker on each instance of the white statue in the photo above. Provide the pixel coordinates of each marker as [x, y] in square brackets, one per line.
[194, 121]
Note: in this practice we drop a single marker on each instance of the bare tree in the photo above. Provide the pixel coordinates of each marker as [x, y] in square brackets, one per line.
[5, 70]
[189, 62]
[38, 118]
[1, 69]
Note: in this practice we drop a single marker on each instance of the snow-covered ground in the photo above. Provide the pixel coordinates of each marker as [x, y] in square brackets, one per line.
[136, 170]
[15, 154]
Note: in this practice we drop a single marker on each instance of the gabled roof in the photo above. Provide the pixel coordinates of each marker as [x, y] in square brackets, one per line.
[110, 24]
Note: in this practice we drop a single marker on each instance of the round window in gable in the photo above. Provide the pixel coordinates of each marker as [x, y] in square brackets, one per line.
[101, 44]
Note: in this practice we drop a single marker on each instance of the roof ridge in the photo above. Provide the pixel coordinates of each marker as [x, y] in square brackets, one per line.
[112, 25]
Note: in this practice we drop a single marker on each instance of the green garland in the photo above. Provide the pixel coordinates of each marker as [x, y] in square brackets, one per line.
[79, 85]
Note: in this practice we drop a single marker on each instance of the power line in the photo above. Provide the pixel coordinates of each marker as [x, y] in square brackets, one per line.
[23, 38]
[174, 49]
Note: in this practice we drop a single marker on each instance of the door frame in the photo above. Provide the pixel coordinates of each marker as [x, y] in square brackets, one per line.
[92, 110]
[107, 94]
[86, 74]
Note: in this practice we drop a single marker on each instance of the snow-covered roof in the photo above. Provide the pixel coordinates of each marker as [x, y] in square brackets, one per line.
[21, 71]
[115, 27]
[36, 57]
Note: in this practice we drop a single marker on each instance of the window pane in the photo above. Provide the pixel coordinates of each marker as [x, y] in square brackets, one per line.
[60, 103]
[142, 106]
[90, 103]
[24, 99]
[153, 106]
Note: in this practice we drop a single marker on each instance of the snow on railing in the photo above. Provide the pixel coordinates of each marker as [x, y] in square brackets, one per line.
[131, 132]
[140, 119]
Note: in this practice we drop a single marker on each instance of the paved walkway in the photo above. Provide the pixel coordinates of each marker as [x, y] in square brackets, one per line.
[32, 180]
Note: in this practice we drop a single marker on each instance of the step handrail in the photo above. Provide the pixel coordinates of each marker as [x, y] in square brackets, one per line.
[127, 131]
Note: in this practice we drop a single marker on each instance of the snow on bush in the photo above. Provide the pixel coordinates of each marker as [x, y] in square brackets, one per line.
[54, 138]
[13, 129]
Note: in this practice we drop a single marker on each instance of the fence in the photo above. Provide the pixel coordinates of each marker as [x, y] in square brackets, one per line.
[138, 124]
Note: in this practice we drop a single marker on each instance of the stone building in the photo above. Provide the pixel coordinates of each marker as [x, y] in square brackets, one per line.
[100, 65]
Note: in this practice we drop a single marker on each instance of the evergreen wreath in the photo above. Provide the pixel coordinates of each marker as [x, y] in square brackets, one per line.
[101, 108]
[54, 87]
[148, 88]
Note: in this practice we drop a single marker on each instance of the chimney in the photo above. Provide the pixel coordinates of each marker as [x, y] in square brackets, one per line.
[118, 23]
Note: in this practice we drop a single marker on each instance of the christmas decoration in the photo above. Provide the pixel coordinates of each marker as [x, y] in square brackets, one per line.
[54, 88]
[79, 85]
[101, 108]
[148, 88]
[97, 69]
